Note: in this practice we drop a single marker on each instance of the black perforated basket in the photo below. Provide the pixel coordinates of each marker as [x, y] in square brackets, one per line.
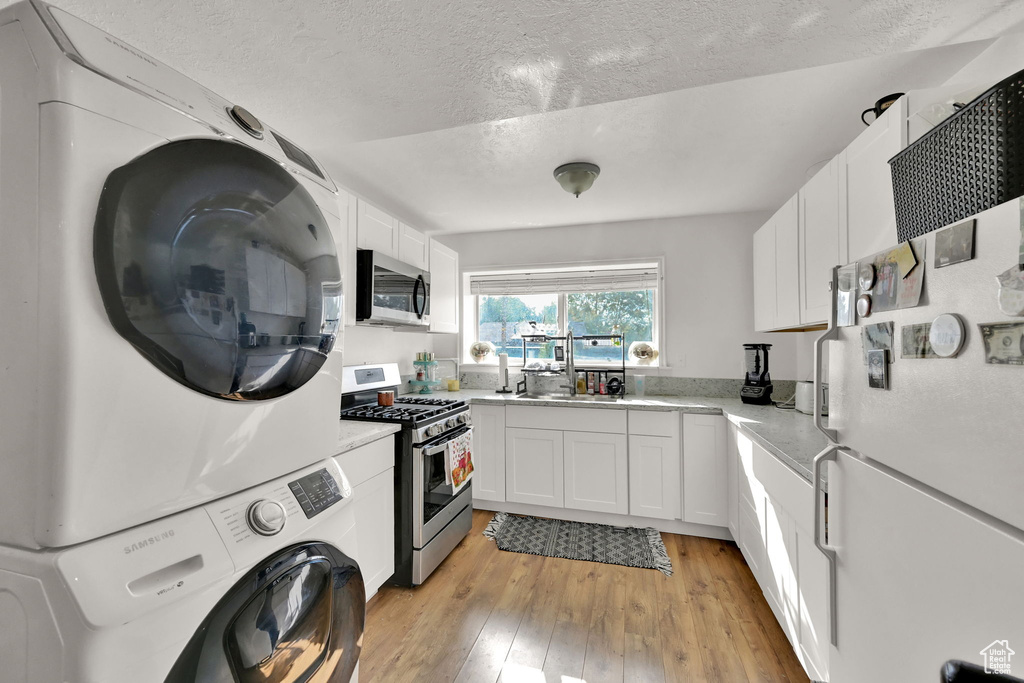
[970, 162]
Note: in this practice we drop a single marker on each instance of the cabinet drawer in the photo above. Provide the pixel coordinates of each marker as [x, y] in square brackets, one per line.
[363, 463]
[567, 419]
[652, 423]
[786, 487]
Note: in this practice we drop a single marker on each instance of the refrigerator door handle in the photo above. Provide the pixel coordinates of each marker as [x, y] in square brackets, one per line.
[831, 452]
[831, 333]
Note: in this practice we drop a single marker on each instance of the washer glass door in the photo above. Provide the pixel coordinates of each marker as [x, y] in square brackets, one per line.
[219, 268]
[296, 617]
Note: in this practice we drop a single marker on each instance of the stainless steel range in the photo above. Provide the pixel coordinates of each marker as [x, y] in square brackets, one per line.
[430, 518]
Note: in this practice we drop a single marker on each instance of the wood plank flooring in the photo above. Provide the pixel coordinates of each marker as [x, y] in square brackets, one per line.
[486, 615]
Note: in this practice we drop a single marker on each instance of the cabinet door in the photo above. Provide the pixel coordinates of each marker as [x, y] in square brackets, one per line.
[819, 242]
[488, 452]
[870, 211]
[413, 246]
[732, 477]
[764, 277]
[349, 208]
[596, 471]
[444, 288]
[705, 497]
[780, 569]
[787, 264]
[654, 476]
[376, 230]
[374, 505]
[812, 576]
[533, 467]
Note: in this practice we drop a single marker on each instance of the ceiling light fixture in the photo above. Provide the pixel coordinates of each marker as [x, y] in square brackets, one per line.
[577, 176]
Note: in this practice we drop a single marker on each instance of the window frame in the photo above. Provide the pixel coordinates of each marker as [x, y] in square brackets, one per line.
[469, 330]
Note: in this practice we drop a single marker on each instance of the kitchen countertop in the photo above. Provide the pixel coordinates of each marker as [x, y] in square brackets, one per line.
[787, 434]
[355, 433]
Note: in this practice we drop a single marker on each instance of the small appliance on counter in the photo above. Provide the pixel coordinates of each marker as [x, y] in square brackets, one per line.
[757, 384]
[805, 398]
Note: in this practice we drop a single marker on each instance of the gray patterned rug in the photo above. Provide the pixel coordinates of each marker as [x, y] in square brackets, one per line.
[628, 546]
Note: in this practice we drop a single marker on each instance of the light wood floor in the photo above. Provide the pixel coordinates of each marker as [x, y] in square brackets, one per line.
[486, 615]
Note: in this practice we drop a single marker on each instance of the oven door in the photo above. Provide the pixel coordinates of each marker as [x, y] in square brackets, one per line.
[434, 502]
[390, 292]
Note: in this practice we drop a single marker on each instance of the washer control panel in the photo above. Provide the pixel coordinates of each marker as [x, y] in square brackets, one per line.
[316, 492]
[266, 517]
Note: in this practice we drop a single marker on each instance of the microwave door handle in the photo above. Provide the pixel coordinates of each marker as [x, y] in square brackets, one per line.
[415, 295]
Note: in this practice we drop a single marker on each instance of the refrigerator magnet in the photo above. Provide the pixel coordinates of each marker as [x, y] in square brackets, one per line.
[878, 369]
[947, 335]
[864, 305]
[866, 275]
[954, 244]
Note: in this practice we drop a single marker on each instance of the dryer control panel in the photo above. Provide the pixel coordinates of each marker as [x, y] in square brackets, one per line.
[252, 521]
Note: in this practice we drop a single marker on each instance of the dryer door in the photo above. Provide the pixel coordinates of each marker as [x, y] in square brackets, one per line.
[296, 617]
[218, 267]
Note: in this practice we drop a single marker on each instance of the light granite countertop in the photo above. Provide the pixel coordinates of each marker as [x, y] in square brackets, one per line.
[788, 435]
[355, 433]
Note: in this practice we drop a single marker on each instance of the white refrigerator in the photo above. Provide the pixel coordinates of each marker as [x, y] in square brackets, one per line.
[925, 484]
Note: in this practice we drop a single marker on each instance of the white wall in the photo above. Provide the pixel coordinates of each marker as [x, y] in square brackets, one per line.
[708, 289]
[365, 345]
[1002, 59]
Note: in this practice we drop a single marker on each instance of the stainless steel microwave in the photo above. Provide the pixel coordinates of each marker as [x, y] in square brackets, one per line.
[389, 292]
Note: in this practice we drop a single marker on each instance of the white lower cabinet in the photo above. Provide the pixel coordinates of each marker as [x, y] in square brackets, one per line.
[812, 572]
[375, 529]
[370, 470]
[534, 466]
[654, 486]
[488, 452]
[705, 468]
[774, 533]
[596, 468]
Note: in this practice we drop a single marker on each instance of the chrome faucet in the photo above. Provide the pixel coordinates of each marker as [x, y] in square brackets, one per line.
[570, 363]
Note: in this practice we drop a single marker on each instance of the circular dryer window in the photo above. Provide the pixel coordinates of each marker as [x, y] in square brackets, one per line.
[218, 267]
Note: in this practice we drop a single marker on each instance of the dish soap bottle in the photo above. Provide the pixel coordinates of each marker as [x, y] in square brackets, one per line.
[616, 329]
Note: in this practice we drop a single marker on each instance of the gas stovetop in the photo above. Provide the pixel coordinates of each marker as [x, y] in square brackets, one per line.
[405, 410]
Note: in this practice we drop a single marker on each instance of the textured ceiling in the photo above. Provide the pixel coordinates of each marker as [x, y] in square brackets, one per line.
[333, 73]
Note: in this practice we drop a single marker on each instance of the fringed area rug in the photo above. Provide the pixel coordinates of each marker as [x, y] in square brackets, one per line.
[627, 546]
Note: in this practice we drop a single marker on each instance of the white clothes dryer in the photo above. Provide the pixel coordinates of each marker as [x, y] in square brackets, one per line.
[170, 289]
[257, 586]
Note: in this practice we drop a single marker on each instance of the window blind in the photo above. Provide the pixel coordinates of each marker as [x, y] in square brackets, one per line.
[596, 280]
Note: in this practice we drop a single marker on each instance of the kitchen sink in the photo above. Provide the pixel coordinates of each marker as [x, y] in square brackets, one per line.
[582, 398]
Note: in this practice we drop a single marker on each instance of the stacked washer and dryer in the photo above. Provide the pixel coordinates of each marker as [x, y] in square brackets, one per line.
[170, 379]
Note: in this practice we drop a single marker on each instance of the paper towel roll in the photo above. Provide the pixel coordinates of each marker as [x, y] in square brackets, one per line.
[502, 370]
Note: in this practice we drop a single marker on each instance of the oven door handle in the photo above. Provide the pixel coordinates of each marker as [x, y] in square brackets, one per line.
[434, 448]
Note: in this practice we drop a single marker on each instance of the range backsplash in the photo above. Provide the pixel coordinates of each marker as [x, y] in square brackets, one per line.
[654, 385]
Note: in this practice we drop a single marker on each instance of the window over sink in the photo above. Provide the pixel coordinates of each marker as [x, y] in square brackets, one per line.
[503, 306]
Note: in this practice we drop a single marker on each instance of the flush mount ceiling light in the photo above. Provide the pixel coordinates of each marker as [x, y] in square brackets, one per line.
[577, 176]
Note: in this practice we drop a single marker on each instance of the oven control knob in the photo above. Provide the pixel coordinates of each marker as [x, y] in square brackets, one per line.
[464, 418]
[434, 430]
[266, 517]
[451, 423]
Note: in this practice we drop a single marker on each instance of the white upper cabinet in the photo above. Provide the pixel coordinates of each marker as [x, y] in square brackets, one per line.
[764, 277]
[776, 270]
[867, 183]
[348, 207]
[822, 242]
[376, 230]
[787, 269]
[444, 288]
[413, 247]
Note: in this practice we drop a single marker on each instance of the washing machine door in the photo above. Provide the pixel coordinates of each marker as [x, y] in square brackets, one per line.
[216, 264]
[296, 617]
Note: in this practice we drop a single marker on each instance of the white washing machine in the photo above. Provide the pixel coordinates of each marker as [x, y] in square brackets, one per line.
[169, 289]
[258, 586]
